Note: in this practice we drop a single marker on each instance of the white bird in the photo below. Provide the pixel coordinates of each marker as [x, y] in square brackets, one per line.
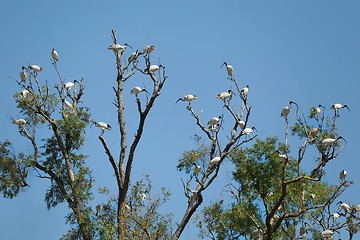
[286, 110]
[118, 48]
[283, 158]
[241, 124]
[247, 131]
[229, 69]
[214, 161]
[196, 169]
[149, 49]
[187, 98]
[342, 175]
[338, 106]
[213, 121]
[23, 74]
[54, 55]
[133, 56]
[19, 122]
[137, 90]
[224, 95]
[69, 85]
[328, 141]
[312, 195]
[335, 216]
[142, 196]
[318, 109]
[327, 234]
[103, 126]
[36, 68]
[345, 207]
[152, 69]
[68, 104]
[244, 92]
[24, 93]
[355, 208]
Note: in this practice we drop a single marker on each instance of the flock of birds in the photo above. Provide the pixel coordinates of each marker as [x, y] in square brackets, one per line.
[212, 123]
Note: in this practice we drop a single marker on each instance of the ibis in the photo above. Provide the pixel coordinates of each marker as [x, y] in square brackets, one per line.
[142, 196]
[345, 207]
[19, 122]
[69, 85]
[152, 69]
[23, 74]
[224, 95]
[286, 110]
[355, 208]
[133, 57]
[214, 161]
[36, 68]
[213, 121]
[118, 48]
[148, 49]
[342, 175]
[187, 98]
[244, 92]
[327, 234]
[247, 131]
[24, 93]
[137, 90]
[68, 104]
[318, 110]
[196, 169]
[54, 55]
[229, 69]
[283, 158]
[241, 124]
[328, 141]
[338, 106]
[103, 126]
[334, 216]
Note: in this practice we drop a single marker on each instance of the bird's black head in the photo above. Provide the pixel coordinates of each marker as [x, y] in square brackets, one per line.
[224, 64]
[127, 45]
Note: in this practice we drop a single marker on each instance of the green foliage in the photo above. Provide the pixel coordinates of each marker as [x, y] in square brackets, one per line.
[197, 156]
[13, 171]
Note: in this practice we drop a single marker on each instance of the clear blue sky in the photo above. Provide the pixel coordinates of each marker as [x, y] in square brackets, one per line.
[305, 51]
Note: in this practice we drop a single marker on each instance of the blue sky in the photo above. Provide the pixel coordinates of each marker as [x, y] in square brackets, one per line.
[305, 51]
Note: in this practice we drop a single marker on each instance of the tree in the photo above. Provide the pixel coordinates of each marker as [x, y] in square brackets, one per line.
[273, 192]
[132, 211]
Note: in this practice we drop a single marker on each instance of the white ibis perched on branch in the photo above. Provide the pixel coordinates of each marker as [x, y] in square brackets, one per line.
[54, 55]
[142, 196]
[68, 104]
[318, 109]
[148, 49]
[334, 216]
[103, 126]
[345, 207]
[69, 85]
[19, 122]
[187, 98]
[24, 93]
[118, 48]
[137, 90]
[214, 161]
[247, 131]
[229, 69]
[213, 121]
[152, 69]
[286, 110]
[23, 74]
[328, 141]
[133, 57]
[337, 106]
[224, 95]
[244, 92]
[342, 175]
[327, 234]
[36, 68]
